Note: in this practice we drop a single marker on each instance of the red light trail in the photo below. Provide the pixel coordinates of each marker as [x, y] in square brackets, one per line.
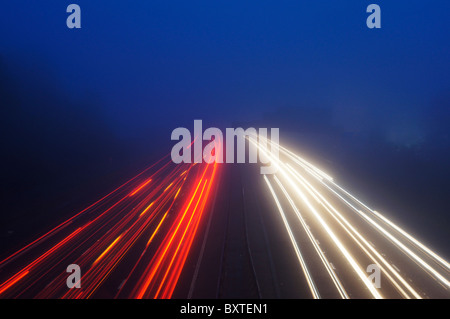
[150, 222]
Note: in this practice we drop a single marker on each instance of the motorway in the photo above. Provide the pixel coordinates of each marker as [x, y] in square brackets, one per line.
[226, 231]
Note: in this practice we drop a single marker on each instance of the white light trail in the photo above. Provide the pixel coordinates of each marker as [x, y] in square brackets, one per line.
[320, 176]
[303, 265]
[323, 258]
[353, 232]
[351, 260]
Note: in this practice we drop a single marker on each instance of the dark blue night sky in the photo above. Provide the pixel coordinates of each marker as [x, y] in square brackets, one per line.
[157, 63]
[374, 105]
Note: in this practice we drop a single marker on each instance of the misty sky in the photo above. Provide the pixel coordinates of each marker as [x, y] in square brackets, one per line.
[160, 64]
